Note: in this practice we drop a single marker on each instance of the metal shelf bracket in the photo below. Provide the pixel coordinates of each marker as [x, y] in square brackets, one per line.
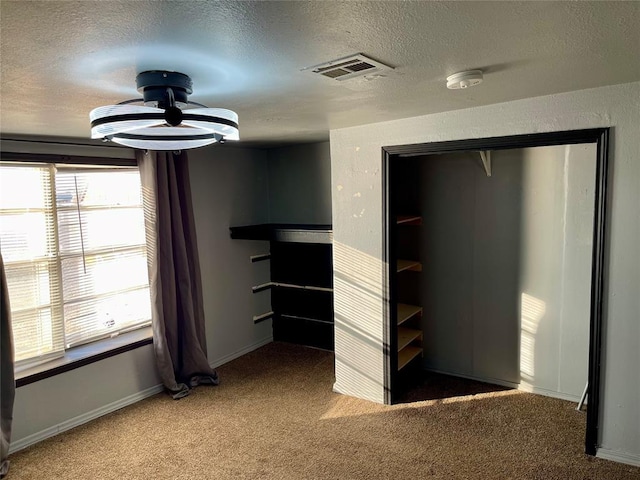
[485, 156]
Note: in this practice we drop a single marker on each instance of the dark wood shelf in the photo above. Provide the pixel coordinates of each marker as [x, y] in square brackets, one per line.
[284, 232]
[409, 220]
[412, 265]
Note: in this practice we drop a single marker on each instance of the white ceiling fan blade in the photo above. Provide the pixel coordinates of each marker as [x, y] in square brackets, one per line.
[214, 121]
[112, 119]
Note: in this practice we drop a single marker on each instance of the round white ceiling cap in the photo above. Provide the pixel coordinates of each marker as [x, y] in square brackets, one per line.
[464, 79]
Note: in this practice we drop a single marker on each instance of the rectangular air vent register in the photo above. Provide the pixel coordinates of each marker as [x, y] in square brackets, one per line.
[347, 68]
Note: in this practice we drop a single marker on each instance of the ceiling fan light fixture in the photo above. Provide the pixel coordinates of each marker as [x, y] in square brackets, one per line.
[464, 79]
[160, 123]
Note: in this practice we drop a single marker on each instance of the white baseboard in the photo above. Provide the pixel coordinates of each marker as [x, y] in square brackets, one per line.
[118, 404]
[84, 418]
[550, 393]
[243, 351]
[618, 456]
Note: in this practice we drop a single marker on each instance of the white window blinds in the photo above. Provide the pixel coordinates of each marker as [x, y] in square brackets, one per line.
[29, 248]
[94, 240]
[102, 252]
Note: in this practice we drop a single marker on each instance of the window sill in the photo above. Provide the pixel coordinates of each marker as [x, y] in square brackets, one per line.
[84, 355]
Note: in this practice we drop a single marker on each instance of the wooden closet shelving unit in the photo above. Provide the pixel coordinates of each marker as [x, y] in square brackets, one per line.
[409, 331]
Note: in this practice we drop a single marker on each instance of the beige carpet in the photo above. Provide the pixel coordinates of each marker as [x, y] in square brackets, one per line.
[274, 416]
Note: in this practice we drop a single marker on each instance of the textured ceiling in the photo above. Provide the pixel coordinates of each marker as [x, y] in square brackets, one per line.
[59, 60]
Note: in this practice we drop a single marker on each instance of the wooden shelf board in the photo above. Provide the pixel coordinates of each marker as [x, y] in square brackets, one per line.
[412, 265]
[407, 354]
[407, 335]
[409, 220]
[405, 312]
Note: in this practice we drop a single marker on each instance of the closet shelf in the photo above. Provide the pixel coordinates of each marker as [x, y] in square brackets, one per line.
[405, 312]
[302, 287]
[409, 220]
[306, 319]
[284, 232]
[268, 285]
[406, 336]
[263, 317]
[407, 354]
[412, 265]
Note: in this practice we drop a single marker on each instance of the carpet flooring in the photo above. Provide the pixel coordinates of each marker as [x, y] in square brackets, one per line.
[274, 416]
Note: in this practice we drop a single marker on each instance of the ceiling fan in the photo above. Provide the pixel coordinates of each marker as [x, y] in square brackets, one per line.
[162, 119]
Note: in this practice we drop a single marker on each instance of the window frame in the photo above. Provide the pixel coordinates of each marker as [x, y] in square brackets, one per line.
[81, 355]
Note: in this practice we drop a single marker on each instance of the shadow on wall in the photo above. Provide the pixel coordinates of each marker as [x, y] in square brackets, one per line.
[300, 183]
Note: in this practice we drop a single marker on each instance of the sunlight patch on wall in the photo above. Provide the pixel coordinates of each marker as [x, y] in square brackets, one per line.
[532, 311]
[358, 305]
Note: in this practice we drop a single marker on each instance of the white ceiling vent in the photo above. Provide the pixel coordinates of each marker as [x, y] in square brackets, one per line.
[349, 67]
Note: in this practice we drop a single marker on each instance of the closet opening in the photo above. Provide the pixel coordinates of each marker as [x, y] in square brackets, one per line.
[494, 253]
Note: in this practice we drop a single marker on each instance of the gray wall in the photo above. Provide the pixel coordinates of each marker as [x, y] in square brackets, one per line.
[506, 264]
[58, 403]
[300, 183]
[356, 183]
[229, 187]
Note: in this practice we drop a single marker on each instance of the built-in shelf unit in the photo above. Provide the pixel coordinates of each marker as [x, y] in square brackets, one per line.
[408, 317]
[301, 281]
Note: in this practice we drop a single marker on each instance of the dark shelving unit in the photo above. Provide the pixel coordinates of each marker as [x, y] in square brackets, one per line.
[301, 281]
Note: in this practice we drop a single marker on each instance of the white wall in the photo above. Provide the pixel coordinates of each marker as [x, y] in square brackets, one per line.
[357, 222]
[229, 187]
[506, 263]
[300, 184]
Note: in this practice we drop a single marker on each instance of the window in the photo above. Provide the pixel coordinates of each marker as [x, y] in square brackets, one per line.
[73, 242]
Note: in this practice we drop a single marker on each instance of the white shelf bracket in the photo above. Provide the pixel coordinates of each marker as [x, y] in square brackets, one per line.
[486, 161]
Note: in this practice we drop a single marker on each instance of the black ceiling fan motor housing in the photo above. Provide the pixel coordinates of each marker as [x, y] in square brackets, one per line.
[153, 85]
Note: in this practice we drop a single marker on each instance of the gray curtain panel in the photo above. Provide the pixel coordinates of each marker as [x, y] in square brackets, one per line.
[7, 381]
[174, 269]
